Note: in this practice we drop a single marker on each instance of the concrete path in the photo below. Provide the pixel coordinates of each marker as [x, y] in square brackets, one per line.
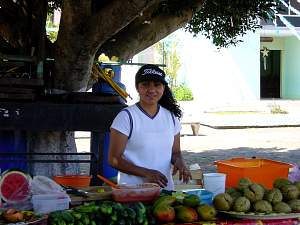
[244, 114]
[249, 120]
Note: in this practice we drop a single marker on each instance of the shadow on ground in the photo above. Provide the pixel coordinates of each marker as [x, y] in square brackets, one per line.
[205, 159]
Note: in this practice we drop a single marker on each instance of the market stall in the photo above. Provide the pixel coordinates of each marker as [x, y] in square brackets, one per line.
[41, 200]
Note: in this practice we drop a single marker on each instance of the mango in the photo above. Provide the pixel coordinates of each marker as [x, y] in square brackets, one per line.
[186, 214]
[206, 212]
[191, 200]
[164, 200]
[164, 213]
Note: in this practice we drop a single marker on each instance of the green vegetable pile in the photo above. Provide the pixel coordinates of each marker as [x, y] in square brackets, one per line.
[104, 212]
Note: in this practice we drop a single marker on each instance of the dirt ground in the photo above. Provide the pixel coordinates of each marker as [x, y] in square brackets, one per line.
[282, 144]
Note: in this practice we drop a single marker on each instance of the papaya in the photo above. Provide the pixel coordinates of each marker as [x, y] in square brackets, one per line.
[164, 213]
[191, 200]
[186, 214]
[164, 200]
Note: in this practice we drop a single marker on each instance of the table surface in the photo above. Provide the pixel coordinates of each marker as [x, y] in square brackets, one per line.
[295, 221]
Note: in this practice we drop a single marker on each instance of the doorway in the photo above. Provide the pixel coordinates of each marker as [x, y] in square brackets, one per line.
[270, 74]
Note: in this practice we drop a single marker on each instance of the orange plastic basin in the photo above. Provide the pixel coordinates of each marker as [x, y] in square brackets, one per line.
[262, 171]
[76, 181]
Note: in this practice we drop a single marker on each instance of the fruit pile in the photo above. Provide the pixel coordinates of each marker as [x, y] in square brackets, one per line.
[187, 209]
[254, 198]
[12, 215]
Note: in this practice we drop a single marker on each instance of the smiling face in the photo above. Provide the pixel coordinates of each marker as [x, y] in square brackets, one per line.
[150, 91]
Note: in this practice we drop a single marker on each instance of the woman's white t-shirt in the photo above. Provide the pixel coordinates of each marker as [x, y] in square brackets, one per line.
[150, 141]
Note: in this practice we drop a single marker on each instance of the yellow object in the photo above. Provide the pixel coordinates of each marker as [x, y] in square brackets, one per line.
[103, 58]
[107, 77]
[114, 58]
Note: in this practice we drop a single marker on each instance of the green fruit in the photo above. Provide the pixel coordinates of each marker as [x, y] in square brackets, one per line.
[254, 192]
[273, 196]
[289, 192]
[294, 204]
[206, 212]
[282, 207]
[222, 202]
[241, 204]
[234, 193]
[278, 183]
[191, 200]
[262, 206]
[297, 184]
[244, 183]
[164, 213]
[164, 200]
[186, 214]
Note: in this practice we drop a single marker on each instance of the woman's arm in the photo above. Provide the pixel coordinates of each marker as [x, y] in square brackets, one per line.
[117, 146]
[178, 162]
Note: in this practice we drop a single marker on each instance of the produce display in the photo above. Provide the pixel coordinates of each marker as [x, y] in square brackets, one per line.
[254, 199]
[188, 209]
[165, 209]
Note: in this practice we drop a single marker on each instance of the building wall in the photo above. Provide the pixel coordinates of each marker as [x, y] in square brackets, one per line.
[291, 70]
[225, 76]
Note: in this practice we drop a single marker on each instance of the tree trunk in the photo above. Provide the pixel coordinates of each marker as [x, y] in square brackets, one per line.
[52, 142]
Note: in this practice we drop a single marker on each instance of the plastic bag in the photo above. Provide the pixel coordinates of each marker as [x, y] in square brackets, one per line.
[294, 174]
[43, 185]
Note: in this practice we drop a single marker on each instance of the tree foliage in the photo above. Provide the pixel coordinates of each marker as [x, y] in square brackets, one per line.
[183, 93]
[168, 47]
[225, 21]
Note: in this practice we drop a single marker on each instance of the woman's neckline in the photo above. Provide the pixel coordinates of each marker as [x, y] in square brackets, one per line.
[151, 116]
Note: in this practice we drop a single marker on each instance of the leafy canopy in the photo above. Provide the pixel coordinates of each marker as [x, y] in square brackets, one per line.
[223, 21]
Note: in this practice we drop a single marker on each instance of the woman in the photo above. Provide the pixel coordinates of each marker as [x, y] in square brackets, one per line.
[145, 137]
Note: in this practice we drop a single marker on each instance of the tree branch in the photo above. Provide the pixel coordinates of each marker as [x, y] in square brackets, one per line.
[140, 34]
[127, 10]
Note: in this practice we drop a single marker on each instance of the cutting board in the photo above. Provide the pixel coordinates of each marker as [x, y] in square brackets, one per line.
[93, 194]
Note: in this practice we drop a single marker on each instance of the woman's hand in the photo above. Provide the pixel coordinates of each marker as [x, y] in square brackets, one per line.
[184, 173]
[154, 176]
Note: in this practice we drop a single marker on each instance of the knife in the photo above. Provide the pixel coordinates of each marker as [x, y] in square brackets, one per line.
[75, 191]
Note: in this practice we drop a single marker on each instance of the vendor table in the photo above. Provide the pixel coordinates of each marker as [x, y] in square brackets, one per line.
[247, 222]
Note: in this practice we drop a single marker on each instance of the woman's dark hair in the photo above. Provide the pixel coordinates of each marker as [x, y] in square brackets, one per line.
[169, 102]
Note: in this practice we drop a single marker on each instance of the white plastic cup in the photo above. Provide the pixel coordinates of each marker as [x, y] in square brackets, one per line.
[214, 182]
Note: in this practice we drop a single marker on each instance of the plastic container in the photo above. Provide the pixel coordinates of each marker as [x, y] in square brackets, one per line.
[214, 182]
[47, 203]
[76, 181]
[116, 67]
[136, 193]
[102, 87]
[206, 197]
[262, 171]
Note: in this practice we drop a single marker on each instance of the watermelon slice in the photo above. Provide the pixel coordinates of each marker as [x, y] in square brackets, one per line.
[15, 186]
